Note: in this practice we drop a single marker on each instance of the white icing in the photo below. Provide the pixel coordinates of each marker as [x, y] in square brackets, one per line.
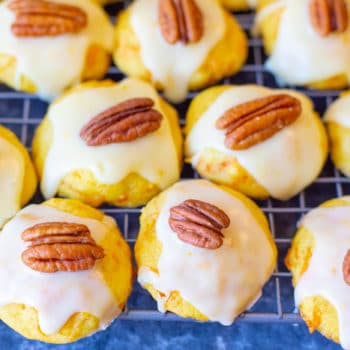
[56, 296]
[220, 283]
[54, 63]
[153, 156]
[252, 3]
[284, 164]
[324, 277]
[11, 180]
[301, 55]
[339, 111]
[264, 12]
[173, 65]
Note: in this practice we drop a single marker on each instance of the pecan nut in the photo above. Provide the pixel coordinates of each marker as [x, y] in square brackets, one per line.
[346, 268]
[250, 123]
[199, 223]
[35, 18]
[180, 20]
[123, 122]
[328, 16]
[60, 246]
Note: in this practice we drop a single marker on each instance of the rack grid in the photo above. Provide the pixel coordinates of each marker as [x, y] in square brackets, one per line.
[23, 112]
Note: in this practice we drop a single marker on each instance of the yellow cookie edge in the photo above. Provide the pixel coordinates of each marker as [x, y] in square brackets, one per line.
[29, 179]
[217, 65]
[116, 270]
[318, 313]
[148, 250]
[132, 191]
[269, 28]
[226, 170]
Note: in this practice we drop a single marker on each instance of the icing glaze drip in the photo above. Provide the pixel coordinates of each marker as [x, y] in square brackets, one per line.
[59, 295]
[339, 111]
[287, 155]
[220, 283]
[301, 55]
[109, 163]
[331, 230]
[173, 65]
[53, 63]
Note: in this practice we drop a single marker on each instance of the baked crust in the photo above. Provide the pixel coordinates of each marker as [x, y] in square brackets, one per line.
[81, 184]
[224, 169]
[269, 28]
[218, 64]
[148, 250]
[318, 312]
[116, 271]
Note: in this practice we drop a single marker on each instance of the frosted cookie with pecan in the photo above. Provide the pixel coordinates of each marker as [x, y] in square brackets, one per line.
[178, 45]
[204, 251]
[307, 41]
[47, 46]
[319, 260]
[256, 140]
[111, 142]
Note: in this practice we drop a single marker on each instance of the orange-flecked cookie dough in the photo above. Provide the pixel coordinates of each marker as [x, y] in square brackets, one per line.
[204, 251]
[67, 271]
[337, 120]
[111, 142]
[148, 48]
[303, 50]
[240, 5]
[260, 141]
[319, 260]
[48, 59]
[18, 180]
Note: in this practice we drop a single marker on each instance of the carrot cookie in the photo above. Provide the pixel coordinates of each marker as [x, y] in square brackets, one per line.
[67, 271]
[319, 260]
[306, 41]
[17, 175]
[259, 141]
[111, 142]
[47, 46]
[204, 251]
[337, 120]
[179, 47]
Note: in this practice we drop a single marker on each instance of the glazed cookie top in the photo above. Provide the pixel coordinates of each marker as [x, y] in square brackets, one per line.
[12, 170]
[172, 64]
[34, 248]
[143, 143]
[252, 3]
[302, 52]
[221, 283]
[284, 162]
[53, 62]
[339, 111]
[327, 272]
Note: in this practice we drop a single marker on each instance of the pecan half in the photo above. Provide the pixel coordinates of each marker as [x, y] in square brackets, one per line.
[123, 122]
[180, 20]
[60, 246]
[328, 16]
[199, 223]
[36, 18]
[250, 123]
[346, 268]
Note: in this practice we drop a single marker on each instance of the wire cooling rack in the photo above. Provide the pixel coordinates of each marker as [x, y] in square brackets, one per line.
[22, 113]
